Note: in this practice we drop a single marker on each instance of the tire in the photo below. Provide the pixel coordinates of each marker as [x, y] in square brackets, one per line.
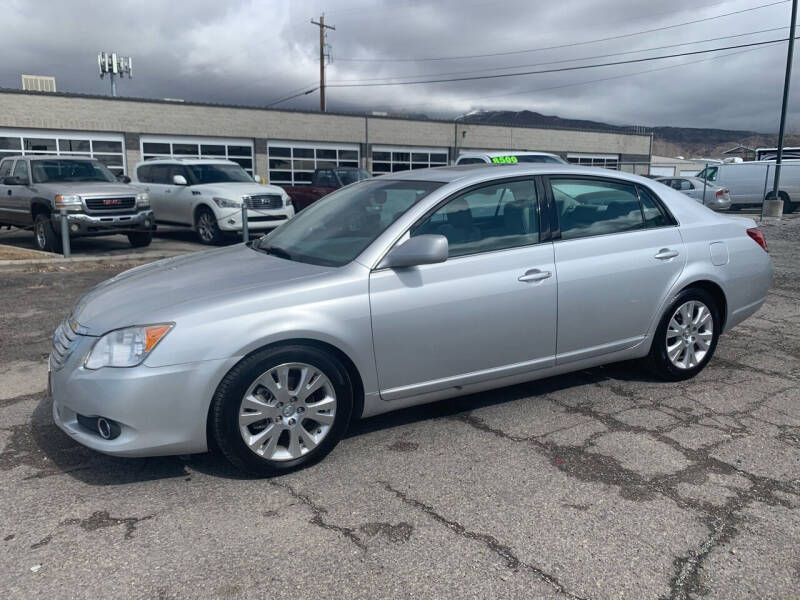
[140, 239]
[207, 228]
[241, 399]
[681, 366]
[47, 239]
[788, 205]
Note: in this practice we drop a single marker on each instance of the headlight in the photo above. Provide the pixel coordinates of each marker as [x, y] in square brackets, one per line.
[225, 203]
[68, 202]
[287, 201]
[126, 347]
[142, 200]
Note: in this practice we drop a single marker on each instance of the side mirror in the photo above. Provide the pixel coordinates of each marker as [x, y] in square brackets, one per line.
[13, 181]
[123, 179]
[179, 180]
[419, 250]
[258, 178]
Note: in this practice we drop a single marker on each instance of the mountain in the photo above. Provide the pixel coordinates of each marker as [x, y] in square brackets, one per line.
[667, 141]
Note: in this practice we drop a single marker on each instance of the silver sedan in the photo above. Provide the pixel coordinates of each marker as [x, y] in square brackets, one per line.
[399, 291]
[709, 193]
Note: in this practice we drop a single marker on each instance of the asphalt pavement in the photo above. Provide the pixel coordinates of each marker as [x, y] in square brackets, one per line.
[600, 484]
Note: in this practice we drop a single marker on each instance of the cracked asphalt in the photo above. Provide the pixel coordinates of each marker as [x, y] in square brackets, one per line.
[600, 484]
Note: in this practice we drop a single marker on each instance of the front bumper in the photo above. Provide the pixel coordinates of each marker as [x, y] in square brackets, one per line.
[257, 220]
[160, 411]
[83, 225]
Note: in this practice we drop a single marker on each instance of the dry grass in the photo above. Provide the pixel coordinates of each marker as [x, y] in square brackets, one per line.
[14, 253]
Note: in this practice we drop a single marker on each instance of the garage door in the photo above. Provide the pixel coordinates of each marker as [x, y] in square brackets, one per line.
[662, 171]
[239, 150]
[293, 163]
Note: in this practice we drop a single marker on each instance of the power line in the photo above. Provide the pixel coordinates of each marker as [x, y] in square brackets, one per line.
[566, 60]
[290, 97]
[570, 45]
[559, 70]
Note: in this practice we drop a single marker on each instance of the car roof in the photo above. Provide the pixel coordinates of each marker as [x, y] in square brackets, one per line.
[48, 157]
[481, 172]
[504, 153]
[186, 161]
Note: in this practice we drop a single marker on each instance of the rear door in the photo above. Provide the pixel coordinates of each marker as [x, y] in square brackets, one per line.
[159, 190]
[6, 216]
[618, 255]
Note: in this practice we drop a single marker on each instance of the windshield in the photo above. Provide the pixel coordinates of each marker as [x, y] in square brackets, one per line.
[337, 228]
[55, 170]
[533, 158]
[219, 173]
[348, 176]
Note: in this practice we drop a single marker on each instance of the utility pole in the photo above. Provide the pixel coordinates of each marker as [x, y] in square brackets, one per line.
[774, 208]
[322, 34]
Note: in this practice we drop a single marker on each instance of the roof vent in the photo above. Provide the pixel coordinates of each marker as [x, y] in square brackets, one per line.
[38, 83]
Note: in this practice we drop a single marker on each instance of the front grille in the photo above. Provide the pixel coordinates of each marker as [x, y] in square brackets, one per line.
[113, 204]
[264, 201]
[62, 344]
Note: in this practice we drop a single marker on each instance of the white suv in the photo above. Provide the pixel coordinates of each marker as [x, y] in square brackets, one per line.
[207, 195]
[507, 158]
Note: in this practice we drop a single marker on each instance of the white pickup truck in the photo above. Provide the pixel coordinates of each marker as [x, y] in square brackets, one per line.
[207, 195]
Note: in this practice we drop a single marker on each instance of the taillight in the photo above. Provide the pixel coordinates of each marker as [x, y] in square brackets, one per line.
[758, 237]
[721, 194]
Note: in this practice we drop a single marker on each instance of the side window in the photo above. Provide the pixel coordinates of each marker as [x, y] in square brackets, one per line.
[143, 174]
[159, 173]
[593, 207]
[686, 185]
[471, 161]
[5, 168]
[21, 170]
[326, 178]
[494, 217]
[653, 215]
[709, 173]
[177, 170]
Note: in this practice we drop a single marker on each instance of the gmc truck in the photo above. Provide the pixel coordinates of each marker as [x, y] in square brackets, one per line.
[323, 182]
[34, 189]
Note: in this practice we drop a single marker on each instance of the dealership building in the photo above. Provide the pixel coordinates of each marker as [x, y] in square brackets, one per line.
[283, 146]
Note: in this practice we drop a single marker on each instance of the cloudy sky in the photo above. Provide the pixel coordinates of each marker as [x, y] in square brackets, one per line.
[256, 52]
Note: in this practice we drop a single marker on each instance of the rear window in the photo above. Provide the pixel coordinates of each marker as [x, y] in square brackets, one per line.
[5, 168]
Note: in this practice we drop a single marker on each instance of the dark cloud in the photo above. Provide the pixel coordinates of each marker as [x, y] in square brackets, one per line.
[254, 52]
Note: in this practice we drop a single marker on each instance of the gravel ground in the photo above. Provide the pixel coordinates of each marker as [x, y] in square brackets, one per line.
[599, 484]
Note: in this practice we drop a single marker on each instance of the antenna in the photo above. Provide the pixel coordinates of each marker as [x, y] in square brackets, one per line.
[114, 66]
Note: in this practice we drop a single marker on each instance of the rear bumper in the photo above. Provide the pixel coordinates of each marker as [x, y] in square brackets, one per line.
[86, 225]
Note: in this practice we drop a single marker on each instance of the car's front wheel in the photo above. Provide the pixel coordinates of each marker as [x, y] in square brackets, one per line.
[207, 228]
[140, 239]
[47, 239]
[686, 336]
[281, 409]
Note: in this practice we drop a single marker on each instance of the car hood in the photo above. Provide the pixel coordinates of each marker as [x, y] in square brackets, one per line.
[87, 188]
[152, 293]
[237, 189]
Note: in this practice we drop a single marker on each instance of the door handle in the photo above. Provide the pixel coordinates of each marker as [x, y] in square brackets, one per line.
[534, 275]
[666, 253]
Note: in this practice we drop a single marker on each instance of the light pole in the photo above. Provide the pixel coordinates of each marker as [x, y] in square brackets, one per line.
[774, 206]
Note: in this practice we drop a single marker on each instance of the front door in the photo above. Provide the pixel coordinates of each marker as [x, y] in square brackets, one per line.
[488, 311]
[619, 255]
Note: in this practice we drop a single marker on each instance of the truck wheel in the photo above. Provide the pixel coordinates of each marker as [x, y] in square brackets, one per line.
[788, 205]
[207, 229]
[140, 239]
[47, 240]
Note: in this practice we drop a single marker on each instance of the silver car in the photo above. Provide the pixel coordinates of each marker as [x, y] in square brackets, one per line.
[709, 193]
[398, 291]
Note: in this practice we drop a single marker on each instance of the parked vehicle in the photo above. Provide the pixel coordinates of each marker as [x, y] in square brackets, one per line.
[397, 291]
[749, 183]
[713, 196]
[34, 189]
[207, 195]
[508, 158]
[323, 182]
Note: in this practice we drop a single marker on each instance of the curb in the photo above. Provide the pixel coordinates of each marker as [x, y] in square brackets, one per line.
[60, 261]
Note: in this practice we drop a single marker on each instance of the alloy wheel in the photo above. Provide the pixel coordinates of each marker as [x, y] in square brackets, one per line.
[206, 226]
[287, 411]
[41, 236]
[690, 332]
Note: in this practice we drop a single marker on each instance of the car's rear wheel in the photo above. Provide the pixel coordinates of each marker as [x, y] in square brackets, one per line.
[207, 228]
[686, 336]
[47, 239]
[140, 239]
[281, 409]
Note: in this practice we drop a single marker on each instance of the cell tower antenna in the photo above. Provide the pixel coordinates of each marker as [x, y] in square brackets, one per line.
[114, 66]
